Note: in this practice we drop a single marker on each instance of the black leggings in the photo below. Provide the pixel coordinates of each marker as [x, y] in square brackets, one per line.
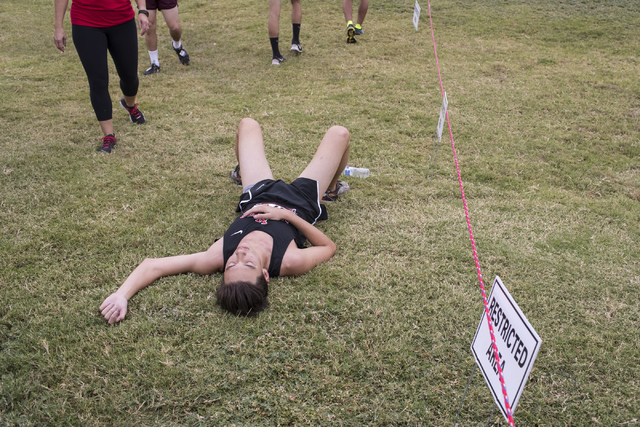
[92, 44]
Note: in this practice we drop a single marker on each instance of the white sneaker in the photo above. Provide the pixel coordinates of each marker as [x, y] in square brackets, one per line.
[277, 61]
[296, 47]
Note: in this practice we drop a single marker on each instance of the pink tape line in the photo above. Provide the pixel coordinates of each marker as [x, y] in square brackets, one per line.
[473, 242]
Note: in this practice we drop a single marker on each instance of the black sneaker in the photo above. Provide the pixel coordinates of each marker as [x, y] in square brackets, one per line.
[183, 56]
[277, 60]
[332, 195]
[155, 68]
[135, 115]
[235, 176]
[108, 143]
[351, 34]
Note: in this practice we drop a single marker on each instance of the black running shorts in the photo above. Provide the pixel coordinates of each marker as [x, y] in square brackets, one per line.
[302, 195]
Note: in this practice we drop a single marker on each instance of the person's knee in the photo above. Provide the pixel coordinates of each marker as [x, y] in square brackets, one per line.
[342, 133]
[274, 5]
[174, 27]
[99, 83]
[247, 122]
[129, 86]
[247, 125]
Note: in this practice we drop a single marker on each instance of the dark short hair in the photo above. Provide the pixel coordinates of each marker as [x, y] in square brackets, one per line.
[243, 298]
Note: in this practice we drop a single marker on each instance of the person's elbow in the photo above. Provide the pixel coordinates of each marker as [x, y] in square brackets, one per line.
[332, 248]
[151, 267]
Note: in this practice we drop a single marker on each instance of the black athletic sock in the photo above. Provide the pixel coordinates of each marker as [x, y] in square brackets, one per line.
[274, 47]
[296, 34]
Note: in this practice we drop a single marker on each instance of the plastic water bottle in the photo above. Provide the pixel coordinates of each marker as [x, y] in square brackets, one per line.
[356, 172]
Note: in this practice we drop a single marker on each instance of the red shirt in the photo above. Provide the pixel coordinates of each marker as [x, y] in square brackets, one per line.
[101, 13]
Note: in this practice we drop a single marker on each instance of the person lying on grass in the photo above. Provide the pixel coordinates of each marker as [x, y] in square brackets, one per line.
[268, 238]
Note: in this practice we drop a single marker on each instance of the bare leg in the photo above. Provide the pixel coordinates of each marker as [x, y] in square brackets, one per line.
[151, 37]
[253, 163]
[107, 127]
[330, 158]
[347, 8]
[130, 100]
[363, 7]
[296, 12]
[274, 18]
[172, 19]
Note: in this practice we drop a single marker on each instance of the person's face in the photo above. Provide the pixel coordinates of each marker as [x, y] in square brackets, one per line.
[244, 265]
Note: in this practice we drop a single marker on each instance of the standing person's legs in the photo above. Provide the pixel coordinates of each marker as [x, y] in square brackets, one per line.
[296, 21]
[151, 36]
[91, 45]
[274, 18]
[330, 159]
[347, 8]
[172, 18]
[274, 30]
[249, 147]
[151, 40]
[123, 46]
[363, 7]
[296, 12]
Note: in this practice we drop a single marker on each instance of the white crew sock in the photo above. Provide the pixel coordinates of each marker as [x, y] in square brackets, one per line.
[153, 54]
[176, 44]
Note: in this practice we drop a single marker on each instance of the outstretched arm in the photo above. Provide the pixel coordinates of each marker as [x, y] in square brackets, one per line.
[114, 308]
[298, 261]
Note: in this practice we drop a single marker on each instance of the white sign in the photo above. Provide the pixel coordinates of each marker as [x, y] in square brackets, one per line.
[517, 342]
[416, 15]
[443, 114]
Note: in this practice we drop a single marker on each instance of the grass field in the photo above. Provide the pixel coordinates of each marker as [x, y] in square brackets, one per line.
[544, 102]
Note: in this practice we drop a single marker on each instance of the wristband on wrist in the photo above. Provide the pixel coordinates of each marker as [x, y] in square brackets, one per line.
[144, 12]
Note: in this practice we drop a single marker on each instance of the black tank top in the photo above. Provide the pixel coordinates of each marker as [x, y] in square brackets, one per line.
[281, 231]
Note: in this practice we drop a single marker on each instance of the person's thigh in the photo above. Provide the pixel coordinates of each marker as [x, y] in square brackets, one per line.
[91, 45]
[171, 17]
[253, 162]
[123, 47]
[153, 17]
[326, 162]
[274, 7]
